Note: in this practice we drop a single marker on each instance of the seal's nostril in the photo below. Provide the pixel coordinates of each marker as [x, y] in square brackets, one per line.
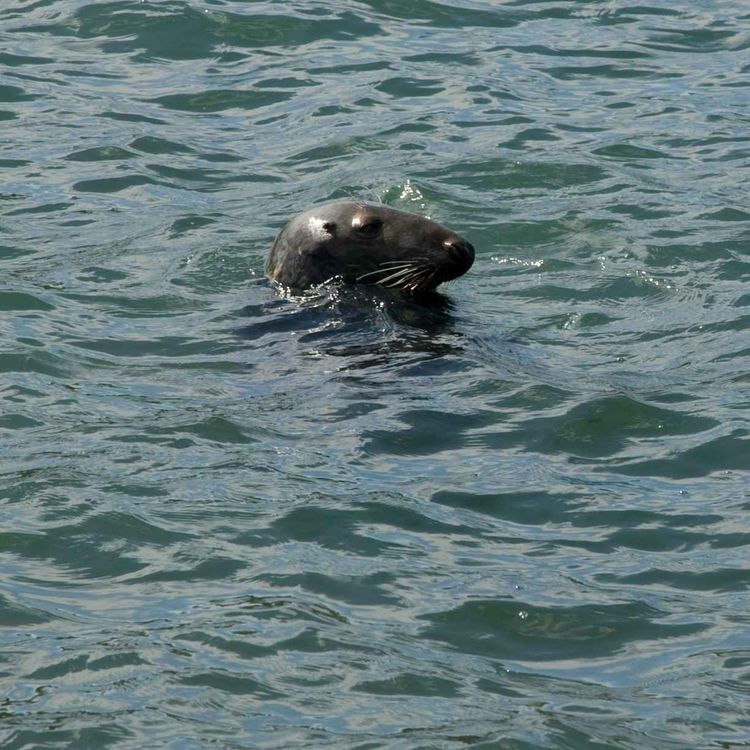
[461, 250]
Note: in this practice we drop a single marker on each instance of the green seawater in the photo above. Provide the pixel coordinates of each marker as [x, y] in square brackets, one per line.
[514, 518]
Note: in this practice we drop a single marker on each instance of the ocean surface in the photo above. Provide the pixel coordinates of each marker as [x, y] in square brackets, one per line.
[515, 516]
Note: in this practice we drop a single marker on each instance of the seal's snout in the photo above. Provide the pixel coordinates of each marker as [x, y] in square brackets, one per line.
[461, 253]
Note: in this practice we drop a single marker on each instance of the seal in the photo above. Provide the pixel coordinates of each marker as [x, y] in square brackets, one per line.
[367, 243]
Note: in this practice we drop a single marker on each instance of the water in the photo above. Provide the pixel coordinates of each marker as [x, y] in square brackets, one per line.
[512, 519]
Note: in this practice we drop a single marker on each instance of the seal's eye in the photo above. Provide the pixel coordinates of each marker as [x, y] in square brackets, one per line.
[330, 227]
[370, 228]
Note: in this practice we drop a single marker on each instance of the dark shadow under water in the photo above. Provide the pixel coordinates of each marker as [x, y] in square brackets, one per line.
[371, 328]
[341, 320]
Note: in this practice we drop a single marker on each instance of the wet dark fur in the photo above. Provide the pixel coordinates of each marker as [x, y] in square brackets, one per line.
[370, 244]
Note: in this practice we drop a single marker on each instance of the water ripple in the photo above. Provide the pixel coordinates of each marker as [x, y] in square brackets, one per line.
[512, 515]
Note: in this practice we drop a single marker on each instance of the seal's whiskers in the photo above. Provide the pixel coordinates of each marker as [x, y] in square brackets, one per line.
[392, 272]
[421, 281]
[387, 268]
[414, 278]
[398, 278]
[429, 279]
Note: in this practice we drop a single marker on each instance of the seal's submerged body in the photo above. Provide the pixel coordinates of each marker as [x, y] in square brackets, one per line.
[370, 244]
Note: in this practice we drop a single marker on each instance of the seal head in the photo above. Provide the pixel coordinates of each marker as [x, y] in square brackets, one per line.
[367, 243]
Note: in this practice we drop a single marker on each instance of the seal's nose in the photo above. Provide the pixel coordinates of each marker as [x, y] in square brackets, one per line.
[461, 252]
